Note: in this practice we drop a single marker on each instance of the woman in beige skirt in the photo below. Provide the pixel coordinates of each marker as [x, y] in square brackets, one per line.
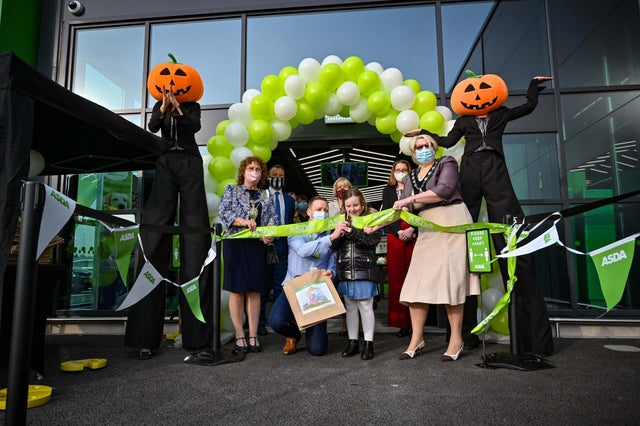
[438, 273]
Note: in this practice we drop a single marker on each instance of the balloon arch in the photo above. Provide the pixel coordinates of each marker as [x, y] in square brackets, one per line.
[365, 93]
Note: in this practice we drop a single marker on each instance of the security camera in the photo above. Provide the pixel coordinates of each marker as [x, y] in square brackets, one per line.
[75, 8]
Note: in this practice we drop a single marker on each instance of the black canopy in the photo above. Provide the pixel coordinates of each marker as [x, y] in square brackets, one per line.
[73, 134]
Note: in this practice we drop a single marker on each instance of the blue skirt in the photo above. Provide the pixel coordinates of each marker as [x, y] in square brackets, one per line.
[358, 290]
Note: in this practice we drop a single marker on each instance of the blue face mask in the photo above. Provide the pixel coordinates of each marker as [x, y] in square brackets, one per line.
[319, 215]
[301, 206]
[425, 155]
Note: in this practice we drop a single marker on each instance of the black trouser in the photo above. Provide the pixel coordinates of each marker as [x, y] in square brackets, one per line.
[178, 176]
[484, 174]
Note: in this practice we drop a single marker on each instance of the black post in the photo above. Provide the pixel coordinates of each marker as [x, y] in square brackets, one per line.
[32, 203]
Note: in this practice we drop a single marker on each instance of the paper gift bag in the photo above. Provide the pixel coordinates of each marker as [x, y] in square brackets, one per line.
[312, 298]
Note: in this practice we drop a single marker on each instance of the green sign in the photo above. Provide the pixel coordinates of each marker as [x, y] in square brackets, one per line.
[479, 249]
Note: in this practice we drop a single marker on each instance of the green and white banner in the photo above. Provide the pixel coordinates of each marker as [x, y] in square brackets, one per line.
[191, 292]
[57, 211]
[125, 239]
[613, 263]
[148, 279]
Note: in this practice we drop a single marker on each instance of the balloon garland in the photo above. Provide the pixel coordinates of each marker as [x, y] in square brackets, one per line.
[365, 93]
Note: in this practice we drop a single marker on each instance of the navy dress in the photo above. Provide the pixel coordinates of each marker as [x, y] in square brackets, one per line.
[245, 266]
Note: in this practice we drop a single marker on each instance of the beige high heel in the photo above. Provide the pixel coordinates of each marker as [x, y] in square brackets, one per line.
[446, 357]
[411, 354]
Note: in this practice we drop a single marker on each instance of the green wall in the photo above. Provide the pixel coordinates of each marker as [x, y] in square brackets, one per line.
[20, 28]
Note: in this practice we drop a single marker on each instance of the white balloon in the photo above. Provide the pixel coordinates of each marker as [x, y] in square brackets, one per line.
[294, 86]
[281, 130]
[206, 159]
[273, 143]
[213, 202]
[455, 151]
[407, 120]
[36, 163]
[404, 145]
[360, 112]
[445, 111]
[490, 298]
[236, 133]
[210, 183]
[390, 79]
[374, 66]
[239, 154]
[348, 93]
[309, 69]
[331, 59]
[241, 113]
[333, 105]
[285, 108]
[248, 95]
[448, 125]
[402, 98]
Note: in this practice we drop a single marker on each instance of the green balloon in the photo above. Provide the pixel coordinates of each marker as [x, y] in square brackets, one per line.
[353, 67]
[396, 135]
[221, 168]
[413, 85]
[261, 151]
[379, 102]
[316, 94]
[306, 113]
[500, 323]
[425, 101]
[223, 184]
[262, 107]
[273, 87]
[287, 71]
[344, 112]
[221, 126]
[219, 146]
[332, 76]
[432, 121]
[260, 131]
[368, 82]
[386, 123]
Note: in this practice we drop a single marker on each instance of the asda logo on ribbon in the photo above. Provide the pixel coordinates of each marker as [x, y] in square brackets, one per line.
[128, 236]
[613, 258]
[150, 277]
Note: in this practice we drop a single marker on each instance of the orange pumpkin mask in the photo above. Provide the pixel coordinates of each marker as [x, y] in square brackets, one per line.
[186, 82]
[478, 94]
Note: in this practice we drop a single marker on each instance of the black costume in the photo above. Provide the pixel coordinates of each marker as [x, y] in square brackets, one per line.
[178, 177]
[483, 173]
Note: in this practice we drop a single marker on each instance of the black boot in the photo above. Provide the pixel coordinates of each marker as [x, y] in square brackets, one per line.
[367, 351]
[351, 349]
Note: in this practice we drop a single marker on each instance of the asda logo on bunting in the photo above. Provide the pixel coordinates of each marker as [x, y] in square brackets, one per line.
[613, 258]
[61, 200]
[128, 236]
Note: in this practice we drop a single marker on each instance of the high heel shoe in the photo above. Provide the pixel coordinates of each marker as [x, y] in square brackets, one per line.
[410, 354]
[446, 357]
[237, 348]
[351, 349]
[256, 347]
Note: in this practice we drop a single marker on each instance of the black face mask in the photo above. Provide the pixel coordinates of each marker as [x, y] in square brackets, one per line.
[276, 182]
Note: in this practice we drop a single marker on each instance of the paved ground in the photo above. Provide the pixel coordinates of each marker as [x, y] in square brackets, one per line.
[590, 384]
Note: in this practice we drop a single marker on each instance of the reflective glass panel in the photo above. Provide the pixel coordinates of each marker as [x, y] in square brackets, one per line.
[108, 66]
[401, 37]
[212, 48]
[532, 160]
[601, 143]
[596, 42]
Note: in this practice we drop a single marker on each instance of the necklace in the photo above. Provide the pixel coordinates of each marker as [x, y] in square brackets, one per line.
[421, 184]
[253, 210]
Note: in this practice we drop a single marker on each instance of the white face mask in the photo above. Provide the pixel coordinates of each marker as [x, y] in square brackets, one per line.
[400, 176]
[319, 215]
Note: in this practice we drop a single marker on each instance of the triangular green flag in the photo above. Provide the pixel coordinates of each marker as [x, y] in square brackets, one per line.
[613, 263]
[125, 241]
[191, 291]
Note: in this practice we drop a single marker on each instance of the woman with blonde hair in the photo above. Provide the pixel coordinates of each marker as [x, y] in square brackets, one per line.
[340, 187]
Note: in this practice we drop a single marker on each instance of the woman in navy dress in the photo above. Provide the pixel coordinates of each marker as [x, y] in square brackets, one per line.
[246, 273]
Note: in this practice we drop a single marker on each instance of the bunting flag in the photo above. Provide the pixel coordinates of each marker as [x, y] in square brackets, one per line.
[125, 239]
[548, 238]
[147, 280]
[613, 263]
[191, 292]
[57, 211]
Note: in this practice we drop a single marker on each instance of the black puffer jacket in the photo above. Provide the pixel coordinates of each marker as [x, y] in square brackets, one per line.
[356, 253]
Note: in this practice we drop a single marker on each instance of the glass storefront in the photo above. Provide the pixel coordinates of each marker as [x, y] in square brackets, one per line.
[582, 144]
